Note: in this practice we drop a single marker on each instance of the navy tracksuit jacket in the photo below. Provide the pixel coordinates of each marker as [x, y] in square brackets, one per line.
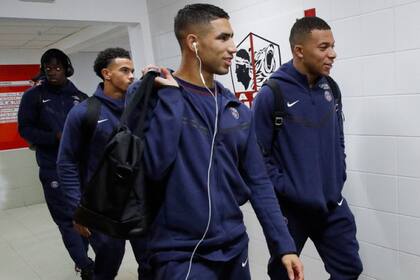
[305, 159]
[177, 153]
[42, 113]
[306, 163]
[75, 168]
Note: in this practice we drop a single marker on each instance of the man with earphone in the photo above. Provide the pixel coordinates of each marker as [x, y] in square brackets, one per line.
[41, 116]
[201, 147]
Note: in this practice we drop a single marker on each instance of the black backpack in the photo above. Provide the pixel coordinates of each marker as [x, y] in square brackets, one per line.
[116, 200]
[280, 113]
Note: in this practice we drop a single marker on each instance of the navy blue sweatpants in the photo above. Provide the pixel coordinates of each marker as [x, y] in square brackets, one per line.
[334, 236]
[76, 245]
[236, 268]
[109, 253]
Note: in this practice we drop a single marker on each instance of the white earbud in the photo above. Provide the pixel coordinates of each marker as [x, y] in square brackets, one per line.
[216, 121]
[195, 47]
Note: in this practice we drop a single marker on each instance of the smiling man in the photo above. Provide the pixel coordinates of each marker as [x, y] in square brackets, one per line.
[201, 147]
[304, 150]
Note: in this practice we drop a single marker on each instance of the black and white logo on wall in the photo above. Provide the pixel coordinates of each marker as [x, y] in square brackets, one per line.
[256, 59]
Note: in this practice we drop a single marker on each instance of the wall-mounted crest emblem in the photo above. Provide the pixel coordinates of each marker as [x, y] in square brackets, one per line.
[256, 59]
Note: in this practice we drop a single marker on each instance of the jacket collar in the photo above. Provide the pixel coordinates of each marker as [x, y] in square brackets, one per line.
[116, 105]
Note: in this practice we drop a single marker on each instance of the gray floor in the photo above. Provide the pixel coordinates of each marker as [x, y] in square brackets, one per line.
[31, 248]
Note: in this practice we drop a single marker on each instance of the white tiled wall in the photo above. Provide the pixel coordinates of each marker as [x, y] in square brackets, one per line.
[19, 183]
[382, 131]
[378, 68]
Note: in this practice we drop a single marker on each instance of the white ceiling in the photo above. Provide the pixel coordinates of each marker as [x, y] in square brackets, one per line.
[42, 34]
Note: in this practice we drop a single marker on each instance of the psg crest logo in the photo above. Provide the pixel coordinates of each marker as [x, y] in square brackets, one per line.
[328, 96]
[234, 112]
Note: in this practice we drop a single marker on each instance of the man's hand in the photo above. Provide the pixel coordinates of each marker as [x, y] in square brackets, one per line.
[293, 266]
[82, 230]
[150, 67]
[167, 79]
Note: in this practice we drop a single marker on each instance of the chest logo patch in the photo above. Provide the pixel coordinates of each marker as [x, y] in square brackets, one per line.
[76, 100]
[291, 104]
[328, 96]
[325, 86]
[234, 113]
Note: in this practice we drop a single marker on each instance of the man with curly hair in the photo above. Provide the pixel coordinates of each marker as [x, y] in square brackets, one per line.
[79, 157]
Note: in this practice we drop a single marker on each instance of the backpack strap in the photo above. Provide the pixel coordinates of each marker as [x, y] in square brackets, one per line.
[337, 96]
[91, 118]
[279, 112]
[335, 89]
[135, 112]
[82, 95]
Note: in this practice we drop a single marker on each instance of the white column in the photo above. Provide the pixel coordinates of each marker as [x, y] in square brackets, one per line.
[140, 46]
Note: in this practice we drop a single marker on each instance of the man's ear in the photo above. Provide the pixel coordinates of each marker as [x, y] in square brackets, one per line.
[190, 40]
[298, 51]
[106, 74]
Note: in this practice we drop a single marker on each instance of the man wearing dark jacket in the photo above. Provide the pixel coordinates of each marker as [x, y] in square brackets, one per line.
[305, 158]
[42, 113]
[79, 157]
[201, 146]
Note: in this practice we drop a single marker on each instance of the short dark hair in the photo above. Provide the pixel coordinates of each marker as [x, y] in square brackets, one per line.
[106, 57]
[303, 28]
[196, 14]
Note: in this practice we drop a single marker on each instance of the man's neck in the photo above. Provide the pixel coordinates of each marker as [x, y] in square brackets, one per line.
[189, 72]
[301, 69]
[112, 92]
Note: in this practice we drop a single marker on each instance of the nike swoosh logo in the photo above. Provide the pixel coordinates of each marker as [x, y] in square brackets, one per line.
[244, 263]
[101, 121]
[45, 100]
[291, 104]
[340, 202]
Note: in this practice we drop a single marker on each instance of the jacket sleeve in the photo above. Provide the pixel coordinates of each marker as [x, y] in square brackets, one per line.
[264, 200]
[29, 120]
[263, 108]
[163, 132]
[69, 157]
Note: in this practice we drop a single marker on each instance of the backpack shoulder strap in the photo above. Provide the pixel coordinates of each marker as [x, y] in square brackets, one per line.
[91, 118]
[82, 95]
[335, 91]
[279, 112]
[337, 97]
[135, 112]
